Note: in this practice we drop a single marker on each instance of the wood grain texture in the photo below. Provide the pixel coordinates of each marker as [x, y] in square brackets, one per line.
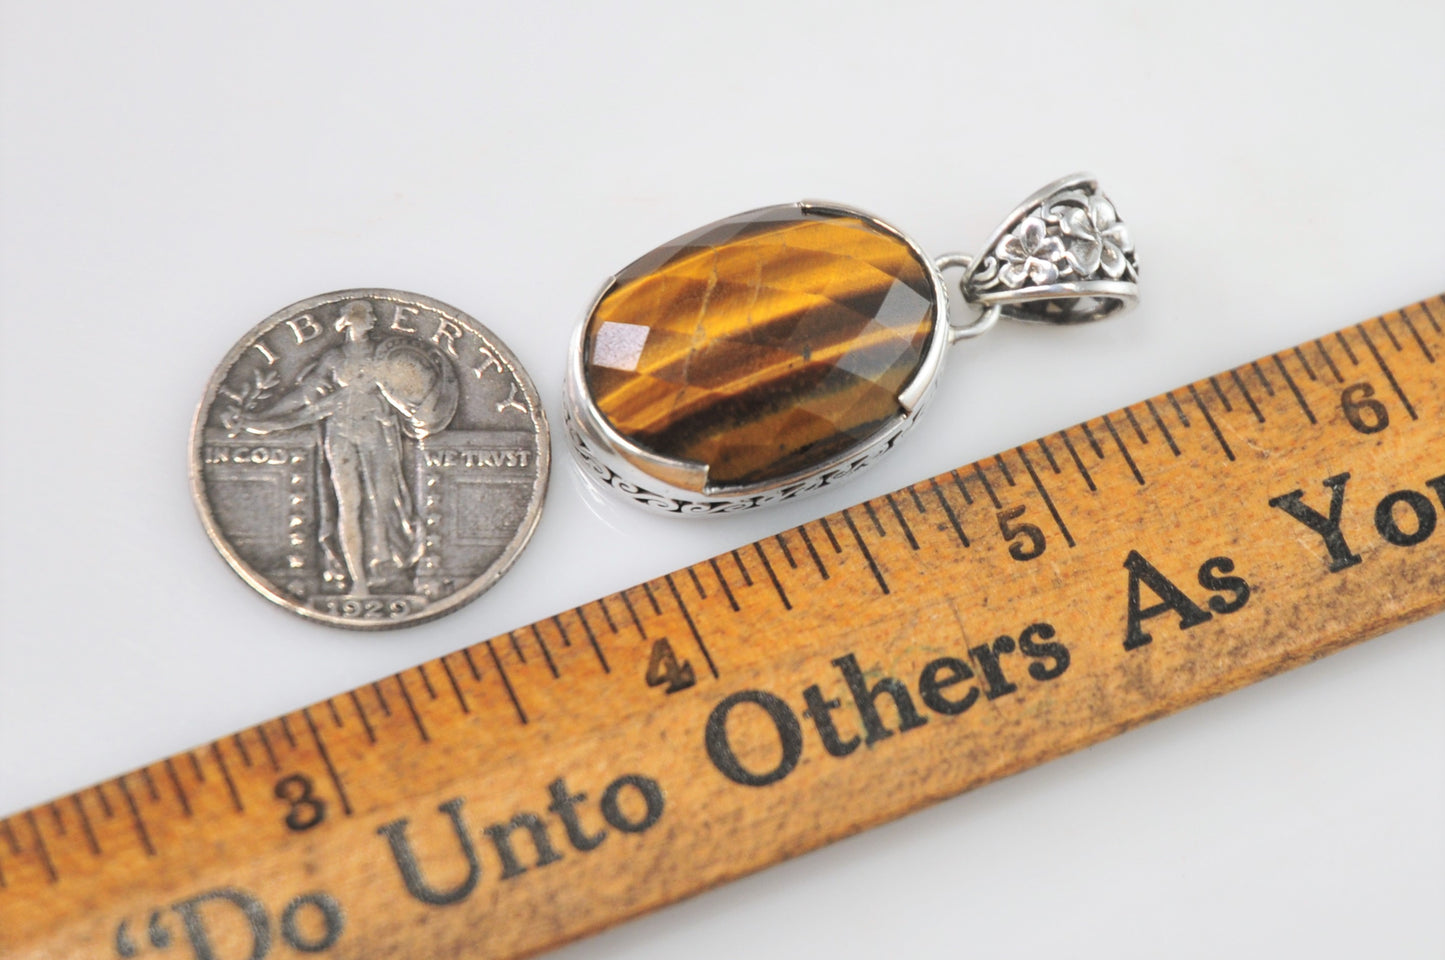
[970, 626]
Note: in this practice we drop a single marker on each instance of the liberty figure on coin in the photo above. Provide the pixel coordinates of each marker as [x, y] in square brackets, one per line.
[369, 458]
[366, 394]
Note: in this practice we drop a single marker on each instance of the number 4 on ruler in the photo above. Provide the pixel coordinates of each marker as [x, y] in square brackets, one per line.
[664, 668]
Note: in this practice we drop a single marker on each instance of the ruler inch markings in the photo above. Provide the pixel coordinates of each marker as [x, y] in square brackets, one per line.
[1387, 371]
[180, 790]
[1424, 306]
[1304, 364]
[136, 820]
[787, 554]
[1345, 346]
[873, 516]
[426, 680]
[722, 582]
[1384, 321]
[1248, 397]
[651, 598]
[742, 568]
[241, 748]
[547, 654]
[1263, 380]
[326, 760]
[456, 687]
[1138, 430]
[381, 700]
[1078, 463]
[1415, 334]
[591, 640]
[863, 547]
[768, 567]
[1163, 430]
[1048, 500]
[1003, 469]
[226, 776]
[471, 664]
[266, 745]
[506, 682]
[196, 765]
[41, 849]
[1209, 419]
[902, 523]
[285, 731]
[1329, 360]
[1048, 455]
[632, 612]
[1294, 388]
[1178, 410]
[812, 551]
[987, 487]
[562, 630]
[832, 538]
[1223, 400]
[85, 824]
[1119, 442]
[145, 775]
[606, 614]
[411, 706]
[948, 512]
[691, 626]
[361, 715]
[60, 827]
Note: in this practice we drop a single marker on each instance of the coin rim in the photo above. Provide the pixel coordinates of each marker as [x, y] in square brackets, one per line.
[454, 601]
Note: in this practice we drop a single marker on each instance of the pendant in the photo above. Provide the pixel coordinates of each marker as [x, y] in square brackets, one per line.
[773, 353]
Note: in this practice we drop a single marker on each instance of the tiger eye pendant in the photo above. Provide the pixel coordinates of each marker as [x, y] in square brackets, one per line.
[775, 352]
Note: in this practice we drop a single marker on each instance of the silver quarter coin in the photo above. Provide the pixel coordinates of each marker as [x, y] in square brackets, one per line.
[370, 458]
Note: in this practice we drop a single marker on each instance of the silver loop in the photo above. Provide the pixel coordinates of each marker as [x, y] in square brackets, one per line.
[1062, 256]
[982, 323]
[978, 328]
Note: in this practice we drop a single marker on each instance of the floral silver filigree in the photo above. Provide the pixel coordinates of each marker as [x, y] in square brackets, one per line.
[1072, 236]
[1029, 252]
[1098, 238]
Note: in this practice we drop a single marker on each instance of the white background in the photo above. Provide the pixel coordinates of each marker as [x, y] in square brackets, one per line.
[171, 173]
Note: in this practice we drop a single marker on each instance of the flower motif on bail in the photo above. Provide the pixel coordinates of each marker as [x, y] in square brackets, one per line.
[1099, 238]
[1029, 253]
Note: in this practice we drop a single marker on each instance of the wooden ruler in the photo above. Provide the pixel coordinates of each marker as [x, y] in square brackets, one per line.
[632, 751]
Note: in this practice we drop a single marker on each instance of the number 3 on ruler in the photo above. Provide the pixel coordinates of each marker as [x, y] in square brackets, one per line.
[306, 810]
[663, 668]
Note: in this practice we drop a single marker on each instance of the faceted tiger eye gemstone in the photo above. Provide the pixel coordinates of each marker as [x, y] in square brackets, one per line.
[761, 345]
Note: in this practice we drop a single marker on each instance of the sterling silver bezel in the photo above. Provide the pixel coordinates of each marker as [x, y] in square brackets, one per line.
[679, 486]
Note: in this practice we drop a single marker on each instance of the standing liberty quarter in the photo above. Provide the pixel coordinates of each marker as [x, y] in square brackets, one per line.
[370, 458]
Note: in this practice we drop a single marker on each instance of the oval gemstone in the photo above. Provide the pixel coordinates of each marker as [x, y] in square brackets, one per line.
[761, 345]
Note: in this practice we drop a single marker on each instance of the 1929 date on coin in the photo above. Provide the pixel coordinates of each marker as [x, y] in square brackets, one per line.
[370, 458]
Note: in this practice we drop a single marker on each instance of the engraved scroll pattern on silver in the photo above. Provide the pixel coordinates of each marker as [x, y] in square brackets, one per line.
[370, 458]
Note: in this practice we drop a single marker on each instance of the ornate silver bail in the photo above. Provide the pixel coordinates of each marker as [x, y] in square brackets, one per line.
[1062, 256]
